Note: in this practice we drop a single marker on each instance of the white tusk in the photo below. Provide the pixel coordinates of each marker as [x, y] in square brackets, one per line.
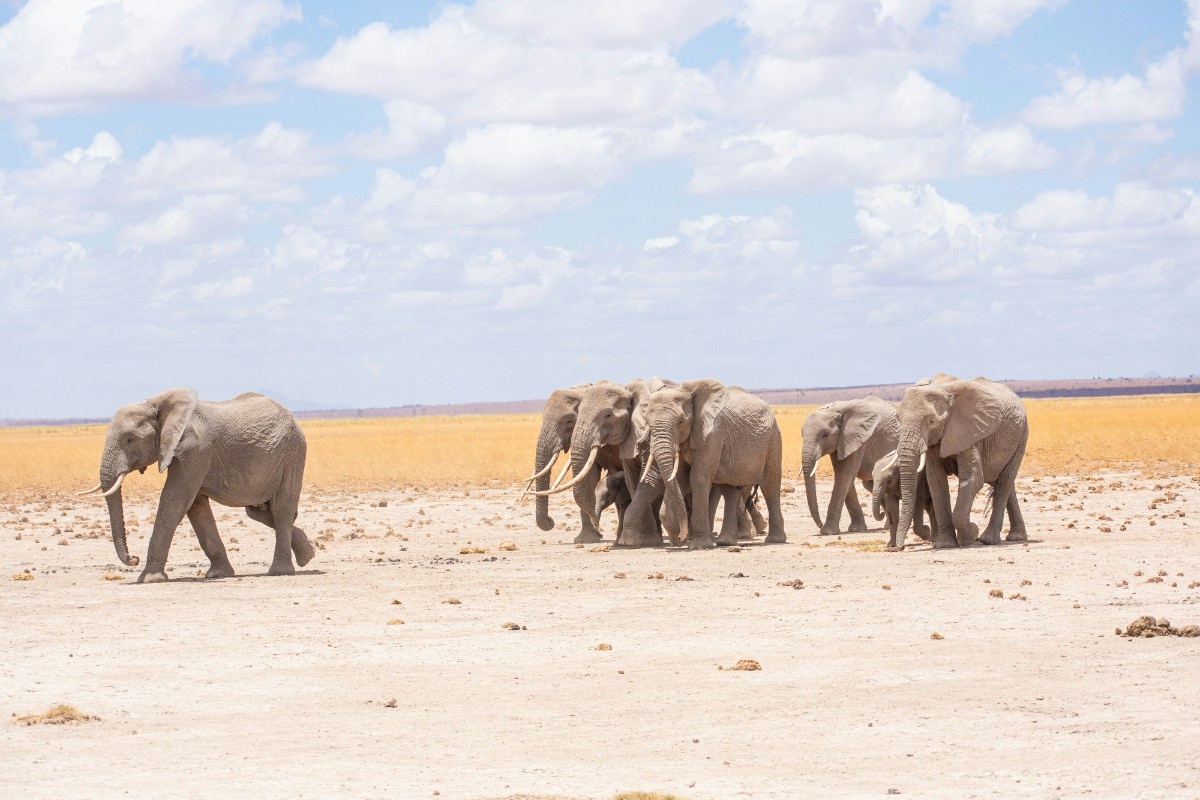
[561, 475]
[116, 485]
[93, 490]
[816, 464]
[649, 464]
[675, 466]
[921, 463]
[582, 474]
[543, 471]
[892, 458]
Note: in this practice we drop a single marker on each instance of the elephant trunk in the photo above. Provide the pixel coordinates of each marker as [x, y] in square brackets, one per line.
[877, 493]
[547, 448]
[908, 454]
[584, 450]
[808, 466]
[110, 472]
[662, 445]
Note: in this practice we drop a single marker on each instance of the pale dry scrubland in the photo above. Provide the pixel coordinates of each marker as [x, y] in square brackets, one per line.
[440, 645]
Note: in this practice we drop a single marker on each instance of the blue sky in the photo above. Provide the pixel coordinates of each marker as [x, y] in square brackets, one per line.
[359, 204]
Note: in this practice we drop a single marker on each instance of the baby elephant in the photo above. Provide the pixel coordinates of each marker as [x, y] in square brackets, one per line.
[246, 452]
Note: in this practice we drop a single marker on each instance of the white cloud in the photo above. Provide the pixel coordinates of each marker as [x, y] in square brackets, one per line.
[68, 54]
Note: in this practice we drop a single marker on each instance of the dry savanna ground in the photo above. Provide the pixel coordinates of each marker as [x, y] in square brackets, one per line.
[441, 645]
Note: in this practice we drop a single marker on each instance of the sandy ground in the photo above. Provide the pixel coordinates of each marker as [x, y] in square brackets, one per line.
[300, 687]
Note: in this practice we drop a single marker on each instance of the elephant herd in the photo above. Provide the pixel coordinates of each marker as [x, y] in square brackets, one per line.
[664, 445]
[669, 454]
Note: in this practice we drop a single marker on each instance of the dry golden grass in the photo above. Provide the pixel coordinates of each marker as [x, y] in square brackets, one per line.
[1157, 433]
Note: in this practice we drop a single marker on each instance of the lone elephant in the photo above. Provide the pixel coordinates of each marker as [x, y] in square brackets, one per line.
[246, 452]
[854, 434]
[983, 425]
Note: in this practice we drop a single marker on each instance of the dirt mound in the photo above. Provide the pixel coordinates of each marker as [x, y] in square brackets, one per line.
[1149, 627]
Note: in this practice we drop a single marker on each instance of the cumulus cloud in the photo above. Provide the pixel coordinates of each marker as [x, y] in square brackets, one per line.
[58, 55]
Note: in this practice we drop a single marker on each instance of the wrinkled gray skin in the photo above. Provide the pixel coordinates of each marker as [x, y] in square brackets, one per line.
[885, 498]
[558, 424]
[983, 424]
[726, 436]
[246, 452]
[854, 434]
[749, 519]
[604, 420]
[614, 491]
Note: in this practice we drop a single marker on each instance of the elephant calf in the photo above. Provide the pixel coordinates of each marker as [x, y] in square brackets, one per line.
[246, 452]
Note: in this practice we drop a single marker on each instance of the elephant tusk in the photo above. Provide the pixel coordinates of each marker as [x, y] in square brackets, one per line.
[675, 466]
[561, 475]
[813, 472]
[571, 483]
[543, 470]
[892, 457]
[93, 490]
[117, 485]
[646, 471]
[921, 463]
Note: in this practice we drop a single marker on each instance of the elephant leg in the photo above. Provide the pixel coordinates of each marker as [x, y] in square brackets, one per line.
[919, 506]
[843, 483]
[585, 498]
[205, 526]
[939, 493]
[760, 524]
[1016, 522]
[176, 498]
[731, 497]
[970, 481]
[700, 522]
[858, 523]
[301, 546]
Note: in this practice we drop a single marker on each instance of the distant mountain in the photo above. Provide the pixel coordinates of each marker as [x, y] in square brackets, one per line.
[295, 405]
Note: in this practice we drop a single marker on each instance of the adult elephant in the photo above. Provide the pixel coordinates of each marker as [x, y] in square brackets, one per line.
[605, 436]
[246, 452]
[726, 436]
[854, 434]
[983, 424]
[554, 437]
[645, 528]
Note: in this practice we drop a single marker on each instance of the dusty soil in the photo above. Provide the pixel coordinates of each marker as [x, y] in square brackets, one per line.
[300, 687]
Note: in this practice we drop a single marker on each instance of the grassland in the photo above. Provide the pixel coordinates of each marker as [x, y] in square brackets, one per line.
[1157, 434]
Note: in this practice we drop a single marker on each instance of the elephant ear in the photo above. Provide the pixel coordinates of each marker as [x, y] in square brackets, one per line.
[175, 408]
[708, 399]
[976, 411]
[639, 429]
[858, 423]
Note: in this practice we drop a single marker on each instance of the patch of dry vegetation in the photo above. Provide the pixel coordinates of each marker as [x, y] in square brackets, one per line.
[646, 796]
[1156, 432]
[58, 715]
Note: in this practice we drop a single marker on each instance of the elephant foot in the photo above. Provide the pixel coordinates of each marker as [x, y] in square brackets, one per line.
[726, 539]
[302, 547]
[990, 538]
[746, 535]
[159, 576]
[827, 531]
[1017, 536]
[776, 537]
[588, 537]
[220, 571]
[627, 540]
[943, 542]
[858, 526]
[282, 568]
[923, 532]
[967, 537]
[704, 542]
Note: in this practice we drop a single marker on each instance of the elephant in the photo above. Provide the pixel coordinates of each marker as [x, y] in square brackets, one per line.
[854, 434]
[740, 502]
[983, 425]
[726, 436]
[885, 496]
[246, 452]
[558, 424]
[604, 436]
